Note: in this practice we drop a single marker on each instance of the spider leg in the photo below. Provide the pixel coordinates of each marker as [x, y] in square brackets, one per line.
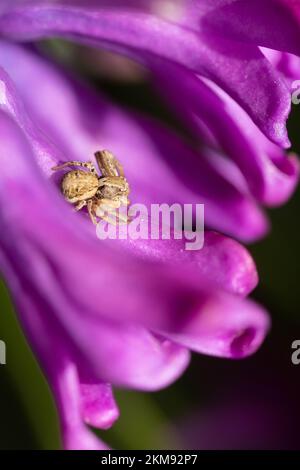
[88, 165]
[108, 211]
[114, 181]
[80, 205]
[119, 167]
[108, 164]
[91, 211]
[108, 204]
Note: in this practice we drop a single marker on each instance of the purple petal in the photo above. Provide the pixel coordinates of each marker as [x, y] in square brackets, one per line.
[98, 406]
[211, 333]
[271, 23]
[76, 436]
[129, 355]
[287, 64]
[222, 261]
[232, 65]
[113, 341]
[270, 175]
[52, 348]
[150, 153]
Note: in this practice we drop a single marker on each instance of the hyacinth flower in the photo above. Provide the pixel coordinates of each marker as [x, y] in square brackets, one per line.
[101, 313]
[226, 86]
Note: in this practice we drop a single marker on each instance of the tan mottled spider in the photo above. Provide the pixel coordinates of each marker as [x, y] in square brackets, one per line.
[102, 195]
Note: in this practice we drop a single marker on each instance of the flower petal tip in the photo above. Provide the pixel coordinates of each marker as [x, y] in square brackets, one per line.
[245, 343]
[178, 361]
[283, 174]
[248, 340]
[102, 420]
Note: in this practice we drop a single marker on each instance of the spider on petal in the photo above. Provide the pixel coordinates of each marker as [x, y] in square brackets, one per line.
[102, 194]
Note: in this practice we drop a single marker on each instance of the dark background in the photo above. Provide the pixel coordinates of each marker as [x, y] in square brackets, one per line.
[217, 404]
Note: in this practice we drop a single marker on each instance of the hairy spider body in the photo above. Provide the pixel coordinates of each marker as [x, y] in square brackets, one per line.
[79, 185]
[102, 194]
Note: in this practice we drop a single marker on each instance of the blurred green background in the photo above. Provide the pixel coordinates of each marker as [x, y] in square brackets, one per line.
[169, 418]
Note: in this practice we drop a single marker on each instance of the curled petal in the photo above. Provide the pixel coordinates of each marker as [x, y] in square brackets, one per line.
[269, 174]
[150, 153]
[76, 436]
[56, 355]
[130, 356]
[252, 21]
[287, 64]
[127, 355]
[221, 261]
[226, 327]
[97, 281]
[98, 406]
[138, 32]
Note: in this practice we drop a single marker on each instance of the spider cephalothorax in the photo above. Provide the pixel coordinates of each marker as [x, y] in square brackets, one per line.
[102, 194]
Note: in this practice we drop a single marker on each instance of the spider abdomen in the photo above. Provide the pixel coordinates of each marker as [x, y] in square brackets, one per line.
[79, 185]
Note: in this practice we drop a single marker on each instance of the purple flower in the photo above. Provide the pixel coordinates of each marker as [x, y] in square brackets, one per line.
[121, 312]
[224, 83]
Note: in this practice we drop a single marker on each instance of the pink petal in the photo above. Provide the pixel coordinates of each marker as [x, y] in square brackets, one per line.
[231, 64]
